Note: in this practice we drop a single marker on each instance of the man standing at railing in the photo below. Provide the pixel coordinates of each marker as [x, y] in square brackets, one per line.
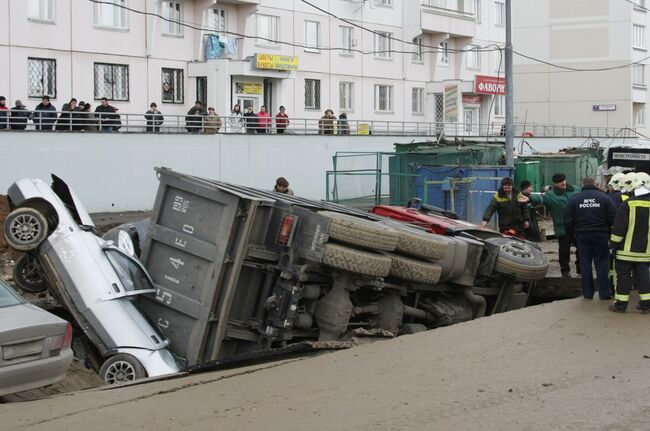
[263, 120]
[106, 115]
[281, 121]
[251, 120]
[194, 118]
[44, 114]
[4, 114]
[19, 116]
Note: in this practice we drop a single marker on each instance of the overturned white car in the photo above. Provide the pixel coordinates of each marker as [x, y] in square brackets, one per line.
[95, 280]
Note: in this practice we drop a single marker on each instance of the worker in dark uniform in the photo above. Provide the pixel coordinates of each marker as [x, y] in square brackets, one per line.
[513, 214]
[588, 217]
[531, 233]
[630, 244]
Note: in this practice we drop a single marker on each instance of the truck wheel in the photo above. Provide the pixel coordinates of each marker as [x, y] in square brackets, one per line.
[520, 259]
[358, 261]
[27, 275]
[25, 229]
[121, 368]
[360, 232]
[421, 244]
[414, 270]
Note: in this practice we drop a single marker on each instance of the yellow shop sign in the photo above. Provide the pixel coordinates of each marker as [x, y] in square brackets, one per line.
[276, 62]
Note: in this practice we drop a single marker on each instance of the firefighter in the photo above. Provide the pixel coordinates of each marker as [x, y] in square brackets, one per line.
[630, 245]
[616, 185]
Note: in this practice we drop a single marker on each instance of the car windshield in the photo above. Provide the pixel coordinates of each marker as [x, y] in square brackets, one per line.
[8, 297]
[131, 274]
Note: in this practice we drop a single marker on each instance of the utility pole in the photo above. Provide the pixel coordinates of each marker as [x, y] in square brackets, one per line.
[510, 132]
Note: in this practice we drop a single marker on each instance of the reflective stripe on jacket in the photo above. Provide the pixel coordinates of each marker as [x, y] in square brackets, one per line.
[631, 230]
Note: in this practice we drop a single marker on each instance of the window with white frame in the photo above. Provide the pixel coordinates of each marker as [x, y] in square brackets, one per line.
[500, 13]
[499, 107]
[383, 44]
[384, 3]
[345, 34]
[312, 35]
[638, 36]
[417, 50]
[473, 57]
[172, 85]
[384, 98]
[638, 78]
[417, 100]
[216, 19]
[111, 81]
[640, 116]
[268, 30]
[111, 14]
[345, 96]
[42, 10]
[312, 93]
[173, 11]
[439, 109]
[477, 10]
[443, 53]
[41, 77]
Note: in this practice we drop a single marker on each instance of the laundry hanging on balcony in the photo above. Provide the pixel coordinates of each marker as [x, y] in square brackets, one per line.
[211, 46]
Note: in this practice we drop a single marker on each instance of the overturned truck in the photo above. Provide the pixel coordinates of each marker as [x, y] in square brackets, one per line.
[240, 270]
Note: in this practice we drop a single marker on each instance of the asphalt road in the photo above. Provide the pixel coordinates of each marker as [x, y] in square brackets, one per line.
[569, 365]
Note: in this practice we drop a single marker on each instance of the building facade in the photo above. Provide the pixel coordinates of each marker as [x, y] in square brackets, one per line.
[377, 60]
[581, 34]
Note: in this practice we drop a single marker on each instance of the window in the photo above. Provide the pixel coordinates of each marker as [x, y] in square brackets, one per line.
[312, 93]
[42, 10]
[111, 14]
[500, 13]
[383, 44]
[216, 19]
[268, 30]
[639, 75]
[417, 49]
[312, 35]
[42, 77]
[111, 81]
[172, 10]
[473, 57]
[417, 102]
[640, 116]
[640, 5]
[172, 85]
[638, 36]
[499, 106]
[384, 98]
[439, 105]
[346, 40]
[345, 96]
[384, 3]
[443, 53]
[477, 10]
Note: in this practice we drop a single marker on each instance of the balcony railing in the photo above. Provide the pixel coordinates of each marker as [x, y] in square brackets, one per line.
[89, 122]
[463, 8]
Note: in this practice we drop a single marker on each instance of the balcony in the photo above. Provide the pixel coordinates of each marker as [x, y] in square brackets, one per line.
[453, 17]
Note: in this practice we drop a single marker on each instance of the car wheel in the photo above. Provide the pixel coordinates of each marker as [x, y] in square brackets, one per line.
[121, 368]
[520, 259]
[25, 229]
[357, 261]
[360, 232]
[27, 275]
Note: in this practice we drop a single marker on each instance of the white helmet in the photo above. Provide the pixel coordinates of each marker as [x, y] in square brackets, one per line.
[629, 182]
[642, 180]
[616, 182]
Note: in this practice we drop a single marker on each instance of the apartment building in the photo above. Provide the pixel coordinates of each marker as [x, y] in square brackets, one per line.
[581, 34]
[377, 60]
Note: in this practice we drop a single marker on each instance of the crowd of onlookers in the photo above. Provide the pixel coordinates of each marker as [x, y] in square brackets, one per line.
[79, 116]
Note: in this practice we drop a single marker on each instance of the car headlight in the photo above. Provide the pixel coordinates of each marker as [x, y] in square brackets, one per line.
[125, 243]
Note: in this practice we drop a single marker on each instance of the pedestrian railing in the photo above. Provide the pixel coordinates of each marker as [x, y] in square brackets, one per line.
[79, 121]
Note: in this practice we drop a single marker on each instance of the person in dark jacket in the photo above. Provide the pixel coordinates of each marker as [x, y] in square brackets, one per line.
[194, 118]
[19, 116]
[154, 118]
[4, 113]
[531, 233]
[65, 121]
[107, 116]
[506, 202]
[44, 115]
[589, 216]
[344, 126]
[251, 120]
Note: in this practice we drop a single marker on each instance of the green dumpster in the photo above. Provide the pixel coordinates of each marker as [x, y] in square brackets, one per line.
[574, 166]
[528, 170]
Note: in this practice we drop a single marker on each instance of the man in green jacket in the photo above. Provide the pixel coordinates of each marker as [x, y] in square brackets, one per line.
[513, 215]
[556, 202]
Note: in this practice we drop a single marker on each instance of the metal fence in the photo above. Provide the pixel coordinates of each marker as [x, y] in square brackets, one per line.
[75, 121]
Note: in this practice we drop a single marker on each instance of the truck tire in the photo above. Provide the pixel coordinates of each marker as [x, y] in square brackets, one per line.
[519, 259]
[414, 270]
[358, 261]
[421, 244]
[360, 232]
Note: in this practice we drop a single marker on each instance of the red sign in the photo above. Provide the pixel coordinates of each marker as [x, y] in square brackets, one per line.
[472, 99]
[489, 85]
